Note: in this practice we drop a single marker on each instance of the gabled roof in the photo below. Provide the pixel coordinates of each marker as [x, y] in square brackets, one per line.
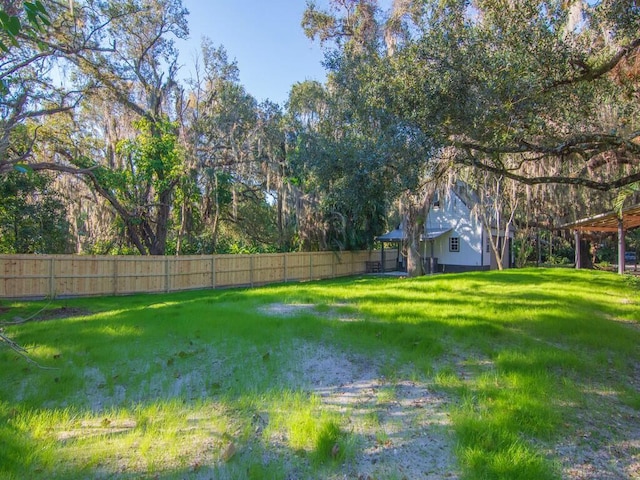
[396, 235]
[465, 193]
[607, 222]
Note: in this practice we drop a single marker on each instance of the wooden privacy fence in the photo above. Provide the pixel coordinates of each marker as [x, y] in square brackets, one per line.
[39, 276]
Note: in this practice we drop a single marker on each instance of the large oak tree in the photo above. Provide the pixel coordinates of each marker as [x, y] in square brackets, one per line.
[537, 91]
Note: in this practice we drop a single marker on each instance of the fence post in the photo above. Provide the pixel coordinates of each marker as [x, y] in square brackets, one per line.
[286, 255]
[310, 266]
[251, 266]
[166, 275]
[213, 271]
[333, 265]
[115, 276]
[52, 279]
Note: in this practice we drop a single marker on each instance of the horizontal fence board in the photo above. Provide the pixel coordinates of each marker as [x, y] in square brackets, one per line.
[268, 268]
[233, 270]
[39, 276]
[190, 273]
[322, 265]
[344, 264]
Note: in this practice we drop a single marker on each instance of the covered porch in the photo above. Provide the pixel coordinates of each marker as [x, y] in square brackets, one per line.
[398, 237]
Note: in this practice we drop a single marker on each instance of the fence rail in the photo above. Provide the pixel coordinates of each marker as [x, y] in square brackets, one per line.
[39, 276]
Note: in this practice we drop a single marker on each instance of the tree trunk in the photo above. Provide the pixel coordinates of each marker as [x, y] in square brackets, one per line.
[414, 223]
[159, 242]
[216, 214]
[587, 254]
[183, 226]
[414, 260]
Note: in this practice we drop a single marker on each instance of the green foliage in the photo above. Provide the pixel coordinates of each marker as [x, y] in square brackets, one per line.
[143, 189]
[37, 18]
[32, 215]
[12, 27]
[520, 89]
[355, 156]
[155, 155]
[523, 250]
[557, 260]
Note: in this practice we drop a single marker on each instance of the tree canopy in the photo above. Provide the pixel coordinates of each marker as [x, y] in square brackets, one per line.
[540, 97]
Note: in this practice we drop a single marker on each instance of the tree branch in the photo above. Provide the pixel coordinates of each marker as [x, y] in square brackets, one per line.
[590, 74]
[586, 144]
[22, 352]
[90, 173]
[472, 161]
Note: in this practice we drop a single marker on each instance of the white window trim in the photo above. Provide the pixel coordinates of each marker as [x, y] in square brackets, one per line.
[454, 242]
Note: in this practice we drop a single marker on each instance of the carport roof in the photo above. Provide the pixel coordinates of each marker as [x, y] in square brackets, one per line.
[607, 222]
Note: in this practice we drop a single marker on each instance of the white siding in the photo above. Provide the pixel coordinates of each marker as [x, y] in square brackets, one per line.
[454, 214]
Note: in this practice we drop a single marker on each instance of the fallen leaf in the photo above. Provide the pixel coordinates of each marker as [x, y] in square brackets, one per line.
[229, 452]
[335, 451]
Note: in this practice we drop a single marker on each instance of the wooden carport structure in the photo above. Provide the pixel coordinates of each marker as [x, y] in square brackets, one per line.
[620, 222]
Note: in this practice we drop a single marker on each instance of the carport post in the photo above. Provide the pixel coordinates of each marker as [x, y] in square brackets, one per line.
[576, 234]
[620, 246]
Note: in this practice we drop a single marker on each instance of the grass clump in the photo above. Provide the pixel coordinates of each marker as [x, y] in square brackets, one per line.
[330, 442]
[310, 430]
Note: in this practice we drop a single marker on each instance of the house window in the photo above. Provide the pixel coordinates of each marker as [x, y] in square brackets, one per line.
[488, 245]
[454, 244]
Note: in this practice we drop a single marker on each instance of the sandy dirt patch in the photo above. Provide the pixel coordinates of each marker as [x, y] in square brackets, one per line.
[292, 309]
[402, 425]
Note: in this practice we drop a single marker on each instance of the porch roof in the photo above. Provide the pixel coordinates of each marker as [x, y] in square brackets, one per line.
[433, 234]
[398, 235]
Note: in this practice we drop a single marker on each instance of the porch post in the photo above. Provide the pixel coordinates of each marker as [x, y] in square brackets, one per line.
[431, 261]
[576, 234]
[620, 246]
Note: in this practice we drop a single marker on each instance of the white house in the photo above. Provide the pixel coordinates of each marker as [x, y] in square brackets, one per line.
[454, 239]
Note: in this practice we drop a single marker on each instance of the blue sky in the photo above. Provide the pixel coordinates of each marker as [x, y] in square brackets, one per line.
[263, 36]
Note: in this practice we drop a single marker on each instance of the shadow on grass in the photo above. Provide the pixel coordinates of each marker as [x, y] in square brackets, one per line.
[516, 352]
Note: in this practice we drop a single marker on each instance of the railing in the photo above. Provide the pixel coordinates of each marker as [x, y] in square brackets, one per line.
[40, 276]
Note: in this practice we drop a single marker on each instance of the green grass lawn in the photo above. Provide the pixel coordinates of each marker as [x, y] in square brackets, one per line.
[523, 374]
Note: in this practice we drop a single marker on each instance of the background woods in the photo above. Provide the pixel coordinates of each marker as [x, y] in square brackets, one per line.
[106, 148]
